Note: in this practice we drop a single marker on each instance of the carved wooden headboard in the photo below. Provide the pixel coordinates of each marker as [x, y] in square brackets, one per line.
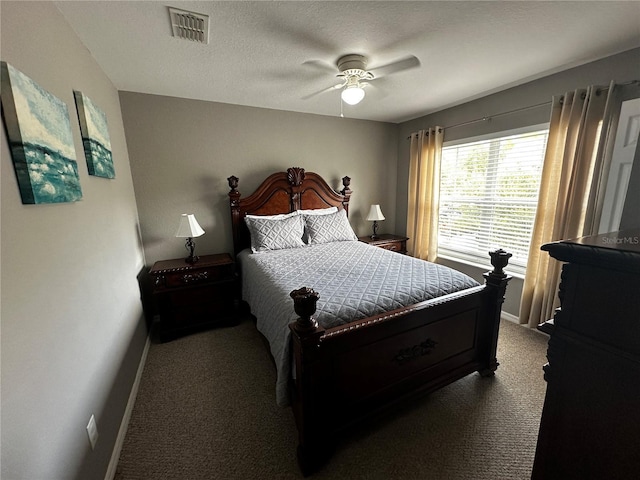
[282, 192]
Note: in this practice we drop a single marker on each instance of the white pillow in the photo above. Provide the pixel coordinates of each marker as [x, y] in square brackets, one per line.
[333, 227]
[279, 216]
[275, 233]
[318, 211]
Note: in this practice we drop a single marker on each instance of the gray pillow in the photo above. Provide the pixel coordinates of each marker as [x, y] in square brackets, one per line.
[275, 234]
[315, 211]
[334, 227]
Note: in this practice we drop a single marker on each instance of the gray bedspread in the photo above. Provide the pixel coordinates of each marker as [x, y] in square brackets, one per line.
[354, 280]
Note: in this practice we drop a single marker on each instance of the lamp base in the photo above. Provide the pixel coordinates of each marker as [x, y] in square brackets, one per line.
[374, 235]
[190, 246]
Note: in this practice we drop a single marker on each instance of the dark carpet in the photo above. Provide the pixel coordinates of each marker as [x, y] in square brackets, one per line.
[206, 410]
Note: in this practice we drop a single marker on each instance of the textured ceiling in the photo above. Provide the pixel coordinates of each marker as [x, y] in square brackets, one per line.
[273, 54]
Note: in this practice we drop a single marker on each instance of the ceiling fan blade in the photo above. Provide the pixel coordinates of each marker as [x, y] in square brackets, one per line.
[328, 89]
[395, 67]
[320, 65]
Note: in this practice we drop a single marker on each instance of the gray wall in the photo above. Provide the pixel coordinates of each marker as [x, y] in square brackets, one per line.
[72, 327]
[182, 152]
[622, 68]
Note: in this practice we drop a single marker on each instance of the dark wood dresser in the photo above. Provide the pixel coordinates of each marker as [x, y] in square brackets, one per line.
[590, 425]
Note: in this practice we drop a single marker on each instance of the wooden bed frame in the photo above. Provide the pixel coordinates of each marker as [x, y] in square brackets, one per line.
[349, 373]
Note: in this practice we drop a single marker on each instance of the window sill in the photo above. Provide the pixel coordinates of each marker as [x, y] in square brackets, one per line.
[486, 267]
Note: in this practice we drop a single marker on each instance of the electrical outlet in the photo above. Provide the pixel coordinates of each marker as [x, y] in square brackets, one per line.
[92, 431]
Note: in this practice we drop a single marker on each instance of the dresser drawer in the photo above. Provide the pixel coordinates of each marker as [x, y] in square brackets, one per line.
[601, 304]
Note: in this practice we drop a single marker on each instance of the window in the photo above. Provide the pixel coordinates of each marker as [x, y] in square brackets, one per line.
[488, 195]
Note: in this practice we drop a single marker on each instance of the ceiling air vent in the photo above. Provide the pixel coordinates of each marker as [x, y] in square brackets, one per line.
[189, 25]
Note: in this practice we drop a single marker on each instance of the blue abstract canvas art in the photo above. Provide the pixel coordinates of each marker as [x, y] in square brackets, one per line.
[95, 137]
[40, 139]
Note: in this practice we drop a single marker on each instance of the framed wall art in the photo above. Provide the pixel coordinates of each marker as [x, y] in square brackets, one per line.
[40, 140]
[95, 137]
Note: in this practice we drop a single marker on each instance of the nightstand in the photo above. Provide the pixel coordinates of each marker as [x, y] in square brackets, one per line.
[191, 297]
[387, 241]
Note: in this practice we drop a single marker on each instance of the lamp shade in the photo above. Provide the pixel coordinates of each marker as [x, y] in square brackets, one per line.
[189, 226]
[352, 94]
[375, 213]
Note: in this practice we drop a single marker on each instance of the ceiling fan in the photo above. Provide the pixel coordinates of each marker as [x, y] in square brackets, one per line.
[352, 69]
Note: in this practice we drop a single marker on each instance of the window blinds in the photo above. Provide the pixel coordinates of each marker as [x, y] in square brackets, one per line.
[488, 197]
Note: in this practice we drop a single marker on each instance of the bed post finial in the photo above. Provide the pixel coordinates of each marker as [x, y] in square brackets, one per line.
[306, 331]
[346, 192]
[499, 260]
[233, 185]
[304, 303]
[295, 176]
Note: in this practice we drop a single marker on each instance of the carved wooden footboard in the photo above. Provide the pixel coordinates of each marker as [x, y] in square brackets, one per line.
[348, 373]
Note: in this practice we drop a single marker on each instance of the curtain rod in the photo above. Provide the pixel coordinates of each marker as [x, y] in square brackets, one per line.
[489, 117]
[484, 119]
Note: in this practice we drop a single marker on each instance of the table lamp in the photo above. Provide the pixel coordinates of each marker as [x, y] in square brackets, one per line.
[188, 229]
[375, 214]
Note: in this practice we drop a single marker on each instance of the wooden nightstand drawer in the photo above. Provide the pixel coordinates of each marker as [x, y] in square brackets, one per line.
[395, 246]
[177, 273]
[191, 297]
[195, 276]
[395, 243]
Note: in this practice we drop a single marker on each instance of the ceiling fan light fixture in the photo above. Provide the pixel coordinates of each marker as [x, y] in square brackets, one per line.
[352, 94]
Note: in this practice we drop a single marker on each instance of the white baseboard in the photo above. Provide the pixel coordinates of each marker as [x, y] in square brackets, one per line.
[510, 317]
[117, 448]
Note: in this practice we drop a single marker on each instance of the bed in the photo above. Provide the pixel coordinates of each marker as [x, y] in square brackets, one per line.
[347, 350]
